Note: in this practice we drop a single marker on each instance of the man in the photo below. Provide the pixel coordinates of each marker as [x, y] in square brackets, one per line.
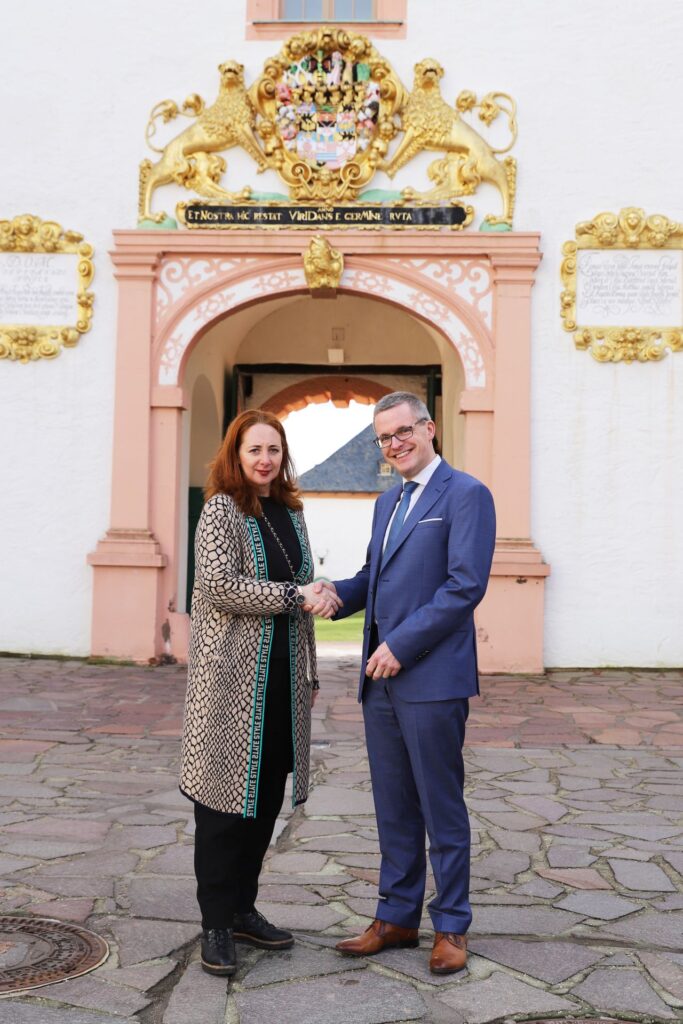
[427, 569]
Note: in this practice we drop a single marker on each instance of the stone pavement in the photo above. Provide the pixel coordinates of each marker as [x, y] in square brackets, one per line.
[577, 818]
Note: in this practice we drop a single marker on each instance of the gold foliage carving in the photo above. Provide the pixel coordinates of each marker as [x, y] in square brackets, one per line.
[628, 230]
[25, 343]
[334, 81]
[323, 267]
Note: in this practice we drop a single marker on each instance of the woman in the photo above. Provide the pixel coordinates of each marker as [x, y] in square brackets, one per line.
[251, 678]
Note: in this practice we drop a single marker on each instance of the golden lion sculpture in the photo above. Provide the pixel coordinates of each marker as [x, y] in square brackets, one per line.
[190, 159]
[429, 123]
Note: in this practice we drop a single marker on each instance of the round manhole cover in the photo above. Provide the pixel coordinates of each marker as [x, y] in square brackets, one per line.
[35, 951]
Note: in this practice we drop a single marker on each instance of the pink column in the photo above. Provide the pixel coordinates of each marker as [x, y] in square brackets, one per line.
[510, 621]
[477, 408]
[168, 407]
[127, 561]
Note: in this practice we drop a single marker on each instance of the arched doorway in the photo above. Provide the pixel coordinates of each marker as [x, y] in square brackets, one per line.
[276, 355]
[469, 294]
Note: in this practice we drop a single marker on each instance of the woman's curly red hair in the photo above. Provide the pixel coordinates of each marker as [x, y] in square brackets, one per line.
[225, 472]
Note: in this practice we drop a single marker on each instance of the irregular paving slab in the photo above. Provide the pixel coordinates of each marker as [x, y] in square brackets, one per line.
[197, 997]
[141, 837]
[34, 1013]
[93, 994]
[176, 860]
[577, 878]
[550, 810]
[414, 963]
[666, 972]
[296, 894]
[8, 865]
[621, 989]
[141, 977]
[528, 842]
[641, 877]
[540, 888]
[87, 885]
[143, 940]
[675, 860]
[99, 864]
[653, 833]
[341, 844]
[674, 901]
[569, 857]
[299, 962]
[320, 827]
[502, 865]
[64, 910]
[296, 861]
[168, 898]
[502, 995]
[46, 849]
[515, 821]
[523, 921]
[649, 929]
[65, 828]
[605, 906]
[300, 918]
[319, 878]
[337, 801]
[361, 998]
[552, 962]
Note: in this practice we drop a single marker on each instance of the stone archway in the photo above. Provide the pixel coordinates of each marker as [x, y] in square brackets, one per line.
[474, 290]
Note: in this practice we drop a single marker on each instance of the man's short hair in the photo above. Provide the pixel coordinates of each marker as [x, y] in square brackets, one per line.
[400, 398]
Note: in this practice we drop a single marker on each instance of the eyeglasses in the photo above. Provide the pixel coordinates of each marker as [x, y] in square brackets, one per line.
[402, 434]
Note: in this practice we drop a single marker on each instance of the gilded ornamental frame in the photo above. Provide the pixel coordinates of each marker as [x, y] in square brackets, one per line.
[628, 230]
[26, 342]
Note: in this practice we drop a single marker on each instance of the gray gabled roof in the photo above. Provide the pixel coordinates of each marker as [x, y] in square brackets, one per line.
[353, 467]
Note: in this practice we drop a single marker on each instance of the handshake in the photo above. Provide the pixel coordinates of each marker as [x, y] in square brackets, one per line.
[321, 599]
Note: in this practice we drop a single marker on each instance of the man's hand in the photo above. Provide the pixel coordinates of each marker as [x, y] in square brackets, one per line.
[382, 664]
[321, 599]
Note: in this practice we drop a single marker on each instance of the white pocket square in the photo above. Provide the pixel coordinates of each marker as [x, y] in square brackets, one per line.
[437, 519]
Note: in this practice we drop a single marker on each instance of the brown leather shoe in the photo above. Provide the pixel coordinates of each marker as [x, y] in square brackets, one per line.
[449, 953]
[380, 935]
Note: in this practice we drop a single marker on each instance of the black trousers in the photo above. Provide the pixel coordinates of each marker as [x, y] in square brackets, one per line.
[229, 849]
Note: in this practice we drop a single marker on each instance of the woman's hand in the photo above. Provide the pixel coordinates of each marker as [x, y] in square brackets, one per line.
[321, 599]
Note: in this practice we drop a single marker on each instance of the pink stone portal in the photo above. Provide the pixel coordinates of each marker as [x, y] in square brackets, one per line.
[473, 289]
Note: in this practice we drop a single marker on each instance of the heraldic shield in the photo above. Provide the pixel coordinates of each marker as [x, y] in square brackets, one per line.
[323, 115]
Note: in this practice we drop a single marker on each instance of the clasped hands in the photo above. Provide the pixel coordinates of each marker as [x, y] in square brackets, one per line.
[321, 599]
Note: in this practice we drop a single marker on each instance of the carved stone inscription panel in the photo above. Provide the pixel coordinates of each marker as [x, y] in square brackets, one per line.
[639, 288]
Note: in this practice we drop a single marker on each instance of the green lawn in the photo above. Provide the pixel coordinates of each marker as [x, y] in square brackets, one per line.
[346, 629]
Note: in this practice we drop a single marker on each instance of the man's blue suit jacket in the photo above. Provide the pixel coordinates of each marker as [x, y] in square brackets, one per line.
[423, 598]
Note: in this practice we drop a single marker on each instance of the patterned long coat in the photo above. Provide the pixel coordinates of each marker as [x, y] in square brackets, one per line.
[233, 604]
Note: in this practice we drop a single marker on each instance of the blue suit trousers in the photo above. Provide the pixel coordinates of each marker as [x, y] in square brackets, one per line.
[416, 765]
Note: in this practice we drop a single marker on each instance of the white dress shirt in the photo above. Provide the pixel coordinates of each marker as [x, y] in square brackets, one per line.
[422, 479]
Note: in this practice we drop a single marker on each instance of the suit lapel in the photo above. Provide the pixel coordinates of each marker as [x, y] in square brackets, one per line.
[432, 491]
[387, 504]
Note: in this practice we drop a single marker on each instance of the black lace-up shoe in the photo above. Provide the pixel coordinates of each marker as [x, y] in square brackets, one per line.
[218, 951]
[254, 929]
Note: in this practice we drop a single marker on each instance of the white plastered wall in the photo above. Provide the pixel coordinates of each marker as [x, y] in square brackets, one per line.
[596, 85]
[328, 520]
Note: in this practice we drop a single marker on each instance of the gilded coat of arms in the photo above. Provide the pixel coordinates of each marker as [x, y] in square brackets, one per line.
[324, 114]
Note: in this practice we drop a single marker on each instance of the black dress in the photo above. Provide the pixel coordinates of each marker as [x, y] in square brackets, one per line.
[229, 849]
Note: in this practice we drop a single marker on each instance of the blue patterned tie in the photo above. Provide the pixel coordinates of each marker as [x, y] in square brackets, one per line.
[399, 519]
